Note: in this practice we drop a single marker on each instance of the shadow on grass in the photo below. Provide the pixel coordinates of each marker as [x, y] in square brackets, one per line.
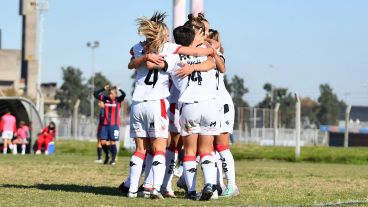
[99, 190]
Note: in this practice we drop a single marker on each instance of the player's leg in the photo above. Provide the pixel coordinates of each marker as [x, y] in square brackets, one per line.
[99, 145]
[171, 159]
[158, 131]
[113, 136]
[172, 150]
[190, 164]
[228, 164]
[104, 134]
[210, 125]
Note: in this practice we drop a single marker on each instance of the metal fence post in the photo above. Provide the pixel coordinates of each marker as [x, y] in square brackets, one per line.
[297, 127]
[75, 119]
[346, 135]
[275, 123]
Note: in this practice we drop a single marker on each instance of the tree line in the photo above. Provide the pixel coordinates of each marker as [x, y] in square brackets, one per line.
[324, 110]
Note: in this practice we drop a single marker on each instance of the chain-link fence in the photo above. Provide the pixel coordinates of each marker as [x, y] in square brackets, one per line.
[263, 126]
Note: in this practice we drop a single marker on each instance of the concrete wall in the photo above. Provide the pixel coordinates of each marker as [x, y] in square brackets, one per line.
[10, 64]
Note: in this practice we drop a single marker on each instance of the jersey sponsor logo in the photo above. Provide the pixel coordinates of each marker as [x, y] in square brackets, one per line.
[155, 163]
[213, 124]
[110, 105]
[192, 170]
[152, 125]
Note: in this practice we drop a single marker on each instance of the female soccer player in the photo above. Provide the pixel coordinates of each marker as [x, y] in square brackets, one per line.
[149, 107]
[111, 122]
[98, 134]
[227, 122]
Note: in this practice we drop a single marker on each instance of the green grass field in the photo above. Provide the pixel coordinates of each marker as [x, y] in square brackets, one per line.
[70, 178]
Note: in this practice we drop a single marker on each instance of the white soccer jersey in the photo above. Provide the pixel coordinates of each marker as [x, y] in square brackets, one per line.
[201, 86]
[151, 84]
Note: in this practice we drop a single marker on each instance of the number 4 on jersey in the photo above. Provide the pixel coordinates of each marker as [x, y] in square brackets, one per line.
[151, 80]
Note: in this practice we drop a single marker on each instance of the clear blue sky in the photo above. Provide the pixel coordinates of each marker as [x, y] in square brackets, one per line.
[308, 42]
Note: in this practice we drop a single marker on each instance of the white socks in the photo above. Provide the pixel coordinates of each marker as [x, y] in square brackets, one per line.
[190, 169]
[228, 164]
[158, 168]
[136, 163]
[171, 158]
[218, 164]
[148, 173]
[208, 167]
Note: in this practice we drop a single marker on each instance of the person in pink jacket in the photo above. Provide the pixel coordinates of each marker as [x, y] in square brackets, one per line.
[23, 135]
[8, 129]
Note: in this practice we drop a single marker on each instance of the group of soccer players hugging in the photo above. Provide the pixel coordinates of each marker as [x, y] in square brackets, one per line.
[179, 103]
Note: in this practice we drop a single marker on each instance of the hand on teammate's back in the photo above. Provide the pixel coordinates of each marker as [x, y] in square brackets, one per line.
[155, 58]
[186, 70]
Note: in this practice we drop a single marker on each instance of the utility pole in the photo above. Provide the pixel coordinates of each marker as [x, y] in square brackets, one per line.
[42, 7]
[93, 46]
[346, 135]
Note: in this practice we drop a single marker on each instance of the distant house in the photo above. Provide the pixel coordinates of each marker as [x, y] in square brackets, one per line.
[50, 102]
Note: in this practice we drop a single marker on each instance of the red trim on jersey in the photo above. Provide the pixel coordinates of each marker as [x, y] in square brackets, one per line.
[163, 108]
[188, 158]
[177, 50]
[140, 155]
[221, 147]
[159, 153]
[204, 155]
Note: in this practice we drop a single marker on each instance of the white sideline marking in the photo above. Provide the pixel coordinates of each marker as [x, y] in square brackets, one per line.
[340, 203]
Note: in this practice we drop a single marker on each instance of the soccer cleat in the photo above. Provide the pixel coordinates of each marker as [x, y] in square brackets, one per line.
[220, 189]
[132, 194]
[15, 152]
[168, 194]
[156, 194]
[231, 191]
[23, 152]
[207, 192]
[145, 191]
[122, 189]
[46, 152]
[181, 184]
[112, 163]
[192, 195]
[98, 161]
[38, 152]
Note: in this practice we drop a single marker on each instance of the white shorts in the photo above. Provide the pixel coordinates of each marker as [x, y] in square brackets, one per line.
[201, 118]
[7, 135]
[174, 116]
[148, 119]
[227, 118]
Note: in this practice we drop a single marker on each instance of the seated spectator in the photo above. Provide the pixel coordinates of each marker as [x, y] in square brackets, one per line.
[45, 137]
[23, 136]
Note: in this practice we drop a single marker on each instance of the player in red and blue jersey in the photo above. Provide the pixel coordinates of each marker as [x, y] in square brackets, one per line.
[111, 119]
[98, 135]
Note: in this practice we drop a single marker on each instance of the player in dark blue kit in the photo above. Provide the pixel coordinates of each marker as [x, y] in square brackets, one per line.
[111, 120]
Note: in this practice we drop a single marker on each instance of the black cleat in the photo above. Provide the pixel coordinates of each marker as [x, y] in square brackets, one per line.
[207, 192]
[123, 190]
[106, 160]
[192, 195]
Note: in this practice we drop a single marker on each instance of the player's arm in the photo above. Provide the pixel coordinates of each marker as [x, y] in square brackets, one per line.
[205, 66]
[154, 66]
[122, 95]
[136, 62]
[196, 51]
[97, 92]
[220, 63]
